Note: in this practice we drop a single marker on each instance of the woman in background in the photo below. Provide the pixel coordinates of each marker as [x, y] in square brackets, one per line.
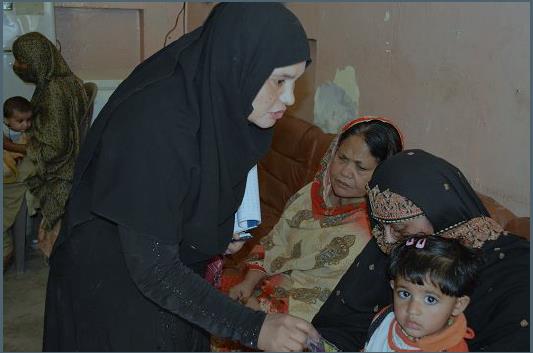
[59, 102]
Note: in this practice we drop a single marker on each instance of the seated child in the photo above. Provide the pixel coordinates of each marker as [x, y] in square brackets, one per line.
[431, 279]
[17, 119]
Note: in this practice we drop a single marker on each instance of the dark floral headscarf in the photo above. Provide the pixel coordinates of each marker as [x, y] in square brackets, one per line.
[413, 183]
[59, 102]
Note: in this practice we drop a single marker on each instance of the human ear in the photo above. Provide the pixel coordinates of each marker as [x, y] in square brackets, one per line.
[392, 284]
[460, 305]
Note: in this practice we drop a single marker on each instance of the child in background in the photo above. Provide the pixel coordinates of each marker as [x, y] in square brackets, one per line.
[17, 120]
[432, 279]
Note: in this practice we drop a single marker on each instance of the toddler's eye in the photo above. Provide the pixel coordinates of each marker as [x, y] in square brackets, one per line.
[403, 294]
[431, 300]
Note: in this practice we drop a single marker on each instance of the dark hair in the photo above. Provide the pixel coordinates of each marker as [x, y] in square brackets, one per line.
[17, 103]
[447, 263]
[382, 138]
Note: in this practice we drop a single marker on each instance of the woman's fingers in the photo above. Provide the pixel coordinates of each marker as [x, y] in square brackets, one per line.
[283, 333]
[252, 303]
[234, 247]
[309, 329]
[235, 292]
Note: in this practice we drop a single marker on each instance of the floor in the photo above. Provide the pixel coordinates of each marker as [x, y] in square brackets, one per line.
[23, 309]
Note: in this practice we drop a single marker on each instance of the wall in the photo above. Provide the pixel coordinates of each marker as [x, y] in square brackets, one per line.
[103, 41]
[106, 40]
[455, 76]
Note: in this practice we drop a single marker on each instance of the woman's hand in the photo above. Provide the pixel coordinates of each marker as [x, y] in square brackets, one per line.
[17, 156]
[241, 291]
[285, 333]
[235, 245]
[14, 147]
[253, 303]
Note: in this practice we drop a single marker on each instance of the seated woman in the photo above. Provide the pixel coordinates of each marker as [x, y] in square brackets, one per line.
[416, 192]
[59, 102]
[323, 227]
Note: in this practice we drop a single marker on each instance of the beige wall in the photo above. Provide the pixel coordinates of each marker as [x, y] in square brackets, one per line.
[455, 76]
[106, 40]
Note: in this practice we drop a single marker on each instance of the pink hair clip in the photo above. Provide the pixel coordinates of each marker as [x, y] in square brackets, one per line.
[420, 243]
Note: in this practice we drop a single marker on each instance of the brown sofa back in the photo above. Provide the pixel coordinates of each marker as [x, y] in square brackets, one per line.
[293, 160]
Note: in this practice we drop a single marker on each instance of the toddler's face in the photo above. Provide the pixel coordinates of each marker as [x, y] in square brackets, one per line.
[19, 121]
[423, 310]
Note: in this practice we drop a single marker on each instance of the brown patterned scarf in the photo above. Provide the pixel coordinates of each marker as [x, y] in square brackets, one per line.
[415, 183]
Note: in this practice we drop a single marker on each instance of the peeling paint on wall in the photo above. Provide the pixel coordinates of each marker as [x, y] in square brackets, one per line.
[337, 102]
[345, 79]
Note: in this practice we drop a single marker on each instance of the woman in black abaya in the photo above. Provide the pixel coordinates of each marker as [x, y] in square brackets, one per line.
[143, 218]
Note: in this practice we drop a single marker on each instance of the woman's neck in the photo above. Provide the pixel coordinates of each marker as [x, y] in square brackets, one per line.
[342, 201]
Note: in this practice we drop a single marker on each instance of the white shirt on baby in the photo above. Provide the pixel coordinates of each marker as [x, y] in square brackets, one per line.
[12, 135]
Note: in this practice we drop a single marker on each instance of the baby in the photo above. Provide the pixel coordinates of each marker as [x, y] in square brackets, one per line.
[431, 279]
[17, 120]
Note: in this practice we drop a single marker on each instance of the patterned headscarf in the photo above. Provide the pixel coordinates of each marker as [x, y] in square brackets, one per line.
[59, 102]
[43, 59]
[414, 183]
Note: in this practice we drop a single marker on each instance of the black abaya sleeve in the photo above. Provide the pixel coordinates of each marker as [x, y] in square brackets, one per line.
[362, 291]
[160, 276]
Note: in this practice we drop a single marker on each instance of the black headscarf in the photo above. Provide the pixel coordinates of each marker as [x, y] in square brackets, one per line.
[438, 189]
[202, 85]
